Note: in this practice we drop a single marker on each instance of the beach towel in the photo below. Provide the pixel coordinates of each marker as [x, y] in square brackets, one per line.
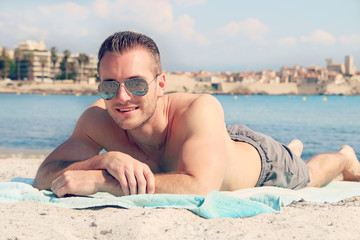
[241, 203]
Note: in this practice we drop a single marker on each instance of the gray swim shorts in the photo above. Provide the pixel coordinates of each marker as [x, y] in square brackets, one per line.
[279, 166]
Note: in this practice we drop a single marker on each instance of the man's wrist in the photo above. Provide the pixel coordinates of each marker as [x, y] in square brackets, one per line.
[101, 161]
[108, 183]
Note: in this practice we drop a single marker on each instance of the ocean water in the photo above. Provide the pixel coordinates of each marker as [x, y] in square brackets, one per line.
[37, 124]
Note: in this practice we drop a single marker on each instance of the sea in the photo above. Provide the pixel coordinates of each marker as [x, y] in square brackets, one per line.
[33, 125]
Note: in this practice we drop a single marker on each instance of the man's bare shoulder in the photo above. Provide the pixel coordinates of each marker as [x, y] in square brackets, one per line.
[94, 113]
[181, 101]
[195, 111]
[186, 104]
[94, 120]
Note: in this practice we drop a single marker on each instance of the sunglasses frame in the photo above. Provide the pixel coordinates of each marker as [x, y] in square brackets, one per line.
[123, 83]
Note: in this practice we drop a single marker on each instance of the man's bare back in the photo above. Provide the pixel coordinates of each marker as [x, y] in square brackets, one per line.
[156, 143]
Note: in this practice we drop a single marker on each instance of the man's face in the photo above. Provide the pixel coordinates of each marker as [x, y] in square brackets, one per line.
[127, 110]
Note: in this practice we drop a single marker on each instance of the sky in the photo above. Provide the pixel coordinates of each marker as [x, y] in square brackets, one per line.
[194, 35]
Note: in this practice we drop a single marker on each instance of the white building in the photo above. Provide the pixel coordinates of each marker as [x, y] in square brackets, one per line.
[350, 68]
[32, 61]
[335, 67]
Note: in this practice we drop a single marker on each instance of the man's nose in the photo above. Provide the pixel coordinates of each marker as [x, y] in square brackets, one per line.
[123, 95]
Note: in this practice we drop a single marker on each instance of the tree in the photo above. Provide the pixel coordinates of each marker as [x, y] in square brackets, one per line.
[66, 57]
[83, 61]
[43, 63]
[72, 70]
[5, 64]
[19, 57]
[2, 67]
[29, 57]
[54, 59]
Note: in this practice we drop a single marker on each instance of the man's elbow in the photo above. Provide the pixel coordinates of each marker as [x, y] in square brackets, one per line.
[40, 182]
[43, 178]
[206, 186]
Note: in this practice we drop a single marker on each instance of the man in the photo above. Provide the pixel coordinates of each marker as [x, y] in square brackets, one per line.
[175, 143]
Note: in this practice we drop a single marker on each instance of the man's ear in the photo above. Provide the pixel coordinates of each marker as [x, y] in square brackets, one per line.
[161, 84]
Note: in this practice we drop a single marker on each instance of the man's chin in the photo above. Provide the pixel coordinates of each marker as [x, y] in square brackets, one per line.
[128, 126]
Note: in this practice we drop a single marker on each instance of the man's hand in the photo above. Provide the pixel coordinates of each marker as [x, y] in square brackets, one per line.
[80, 182]
[134, 176]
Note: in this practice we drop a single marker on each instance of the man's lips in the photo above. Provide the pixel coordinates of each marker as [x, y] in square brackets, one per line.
[126, 109]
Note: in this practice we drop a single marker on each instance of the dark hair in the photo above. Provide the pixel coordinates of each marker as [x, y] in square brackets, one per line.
[121, 42]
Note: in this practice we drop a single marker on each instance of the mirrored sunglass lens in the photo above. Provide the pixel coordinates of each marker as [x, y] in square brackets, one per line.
[137, 86]
[108, 89]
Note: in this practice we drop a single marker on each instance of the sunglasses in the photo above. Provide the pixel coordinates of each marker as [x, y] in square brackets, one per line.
[136, 86]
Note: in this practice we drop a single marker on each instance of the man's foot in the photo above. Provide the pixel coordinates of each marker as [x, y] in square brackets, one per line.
[352, 171]
[296, 147]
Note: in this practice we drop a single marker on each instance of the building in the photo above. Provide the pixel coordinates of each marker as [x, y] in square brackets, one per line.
[291, 74]
[32, 61]
[335, 67]
[267, 76]
[350, 68]
[320, 71]
[7, 52]
[83, 69]
[204, 76]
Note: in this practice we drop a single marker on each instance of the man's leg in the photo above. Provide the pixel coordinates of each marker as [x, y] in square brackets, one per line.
[326, 166]
[296, 147]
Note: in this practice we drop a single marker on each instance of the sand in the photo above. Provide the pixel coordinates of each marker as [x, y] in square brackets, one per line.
[301, 220]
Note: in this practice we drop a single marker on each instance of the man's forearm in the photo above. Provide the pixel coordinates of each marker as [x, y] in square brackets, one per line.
[49, 171]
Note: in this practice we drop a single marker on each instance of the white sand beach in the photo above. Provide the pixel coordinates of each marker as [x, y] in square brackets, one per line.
[301, 220]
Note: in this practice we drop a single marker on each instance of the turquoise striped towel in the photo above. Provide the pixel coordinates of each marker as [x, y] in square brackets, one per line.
[242, 203]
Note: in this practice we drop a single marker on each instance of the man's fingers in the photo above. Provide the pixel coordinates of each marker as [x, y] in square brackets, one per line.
[134, 178]
[150, 181]
[61, 192]
[124, 184]
[141, 182]
[58, 187]
[119, 175]
[132, 182]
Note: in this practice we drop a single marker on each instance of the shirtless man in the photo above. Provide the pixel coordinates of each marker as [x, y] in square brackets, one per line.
[175, 143]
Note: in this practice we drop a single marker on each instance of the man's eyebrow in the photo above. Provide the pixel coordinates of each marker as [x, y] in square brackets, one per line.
[130, 77]
[136, 76]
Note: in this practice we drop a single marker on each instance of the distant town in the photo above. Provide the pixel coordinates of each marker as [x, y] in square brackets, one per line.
[31, 62]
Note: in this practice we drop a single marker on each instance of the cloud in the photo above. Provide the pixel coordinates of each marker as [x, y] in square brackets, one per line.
[65, 10]
[350, 40]
[251, 28]
[189, 3]
[136, 13]
[68, 24]
[320, 37]
[84, 32]
[30, 32]
[101, 7]
[184, 27]
[140, 15]
[286, 42]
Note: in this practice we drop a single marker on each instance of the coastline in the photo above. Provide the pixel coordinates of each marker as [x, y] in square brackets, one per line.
[300, 220]
[183, 84]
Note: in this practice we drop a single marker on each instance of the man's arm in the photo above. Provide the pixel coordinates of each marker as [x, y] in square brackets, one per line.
[79, 156]
[89, 176]
[71, 155]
